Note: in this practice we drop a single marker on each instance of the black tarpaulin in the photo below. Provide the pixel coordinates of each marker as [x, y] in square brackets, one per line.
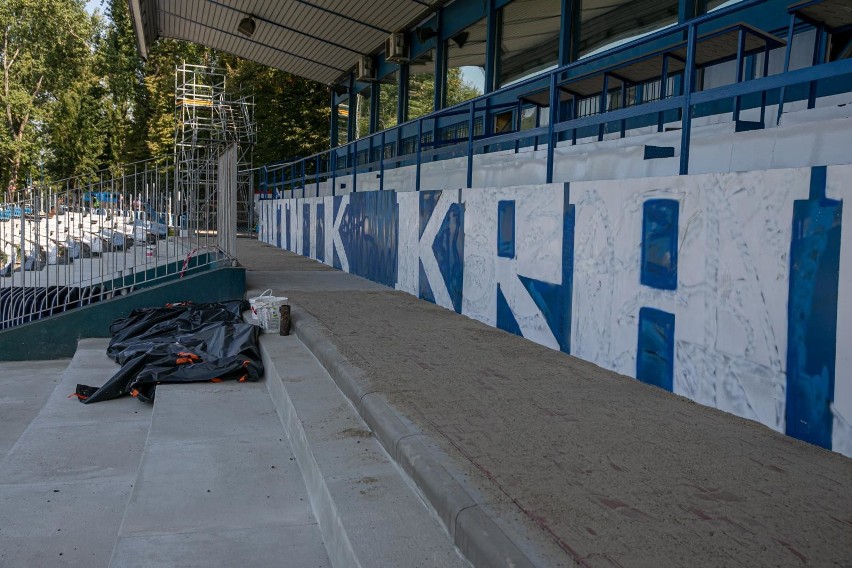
[178, 343]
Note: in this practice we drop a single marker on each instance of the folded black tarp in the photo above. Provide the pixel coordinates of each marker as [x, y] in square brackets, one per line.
[178, 343]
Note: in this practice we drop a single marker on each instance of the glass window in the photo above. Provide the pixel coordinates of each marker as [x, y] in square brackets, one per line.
[840, 45]
[362, 122]
[504, 122]
[529, 40]
[388, 97]
[466, 64]
[421, 85]
[604, 24]
[529, 118]
[705, 6]
[343, 123]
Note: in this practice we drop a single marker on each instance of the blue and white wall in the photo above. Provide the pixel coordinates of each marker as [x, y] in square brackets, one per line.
[734, 289]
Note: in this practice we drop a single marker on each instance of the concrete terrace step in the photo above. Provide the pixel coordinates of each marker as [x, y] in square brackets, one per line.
[24, 390]
[368, 514]
[279, 472]
[65, 483]
[218, 486]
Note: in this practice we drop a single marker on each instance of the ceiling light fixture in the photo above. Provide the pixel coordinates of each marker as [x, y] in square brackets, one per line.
[461, 39]
[425, 33]
[247, 26]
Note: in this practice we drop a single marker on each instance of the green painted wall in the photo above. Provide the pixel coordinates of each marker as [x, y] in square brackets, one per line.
[56, 336]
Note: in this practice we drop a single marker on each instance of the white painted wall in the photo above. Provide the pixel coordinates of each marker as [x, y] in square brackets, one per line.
[733, 275]
[730, 305]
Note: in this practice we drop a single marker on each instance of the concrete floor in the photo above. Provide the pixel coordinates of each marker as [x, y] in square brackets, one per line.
[578, 465]
[282, 472]
[204, 477]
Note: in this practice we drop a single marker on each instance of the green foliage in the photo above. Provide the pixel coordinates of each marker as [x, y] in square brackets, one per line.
[421, 98]
[292, 113]
[421, 95]
[80, 99]
[44, 48]
[458, 90]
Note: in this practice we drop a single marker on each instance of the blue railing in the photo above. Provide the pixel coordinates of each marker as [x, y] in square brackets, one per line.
[465, 129]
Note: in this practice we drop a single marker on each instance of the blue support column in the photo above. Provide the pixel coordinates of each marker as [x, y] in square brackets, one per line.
[375, 91]
[470, 122]
[739, 77]
[819, 57]
[686, 10]
[419, 158]
[402, 92]
[686, 118]
[551, 137]
[333, 134]
[765, 72]
[351, 133]
[602, 108]
[787, 51]
[493, 25]
[354, 162]
[569, 31]
[333, 166]
[382, 163]
[317, 167]
[440, 64]
[664, 85]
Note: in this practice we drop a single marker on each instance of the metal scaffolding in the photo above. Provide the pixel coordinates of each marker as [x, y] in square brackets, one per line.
[209, 119]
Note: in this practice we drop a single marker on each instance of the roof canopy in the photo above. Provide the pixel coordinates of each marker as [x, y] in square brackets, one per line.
[316, 39]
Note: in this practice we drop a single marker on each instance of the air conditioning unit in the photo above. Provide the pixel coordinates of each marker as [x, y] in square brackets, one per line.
[396, 50]
[364, 71]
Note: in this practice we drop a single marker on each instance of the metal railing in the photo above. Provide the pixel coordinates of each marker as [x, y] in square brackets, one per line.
[672, 98]
[80, 240]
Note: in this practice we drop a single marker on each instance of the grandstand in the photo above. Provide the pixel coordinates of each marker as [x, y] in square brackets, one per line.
[646, 196]
[636, 184]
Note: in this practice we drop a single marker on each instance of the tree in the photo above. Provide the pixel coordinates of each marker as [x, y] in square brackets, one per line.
[156, 105]
[122, 71]
[45, 43]
[77, 129]
[292, 113]
[459, 90]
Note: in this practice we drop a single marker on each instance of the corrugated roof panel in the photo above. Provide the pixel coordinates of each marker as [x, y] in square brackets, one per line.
[323, 39]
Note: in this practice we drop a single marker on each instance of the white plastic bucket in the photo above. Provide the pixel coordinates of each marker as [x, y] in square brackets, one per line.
[254, 303]
[269, 314]
[265, 310]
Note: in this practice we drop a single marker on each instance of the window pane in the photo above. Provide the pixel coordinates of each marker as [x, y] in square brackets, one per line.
[607, 23]
[362, 123]
[529, 39]
[343, 123]
[710, 5]
[388, 97]
[466, 64]
[421, 86]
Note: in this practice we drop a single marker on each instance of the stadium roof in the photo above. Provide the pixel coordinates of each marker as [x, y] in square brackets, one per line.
[316, 39]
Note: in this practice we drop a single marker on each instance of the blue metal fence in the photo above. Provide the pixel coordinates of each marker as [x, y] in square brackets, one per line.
[467, 129]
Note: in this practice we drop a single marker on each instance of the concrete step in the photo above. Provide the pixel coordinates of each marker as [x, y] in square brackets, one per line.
[218, 485]
[369, 513]
[65, 483]
[25, 387]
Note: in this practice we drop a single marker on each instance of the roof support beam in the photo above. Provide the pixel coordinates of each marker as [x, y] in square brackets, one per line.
[249, 40]
[284, 27]
[138, 27]
[344, 16]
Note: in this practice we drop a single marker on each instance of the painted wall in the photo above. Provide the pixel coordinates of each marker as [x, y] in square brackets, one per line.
[734, 289]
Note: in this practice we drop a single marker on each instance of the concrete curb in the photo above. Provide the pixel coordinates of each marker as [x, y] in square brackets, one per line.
[335, 536]
[477, 535]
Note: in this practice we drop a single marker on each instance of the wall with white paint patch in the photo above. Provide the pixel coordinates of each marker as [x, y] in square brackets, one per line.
[573, 279]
